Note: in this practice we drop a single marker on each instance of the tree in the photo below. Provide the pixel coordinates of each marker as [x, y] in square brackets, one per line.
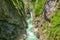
[45, 13]
[12, 20]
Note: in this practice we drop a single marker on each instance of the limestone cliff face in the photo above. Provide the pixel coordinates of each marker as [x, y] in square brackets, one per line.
[45, 18]
[13, 15]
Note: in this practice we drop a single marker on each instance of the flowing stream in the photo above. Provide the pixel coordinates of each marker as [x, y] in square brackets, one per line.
[49, 8]
[30, 33]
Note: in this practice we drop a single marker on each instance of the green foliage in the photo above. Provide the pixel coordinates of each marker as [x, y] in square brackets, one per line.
[55, 25]
[54, 29]
[59, 4]
[17, 3]
[39, 6]
[12, 25]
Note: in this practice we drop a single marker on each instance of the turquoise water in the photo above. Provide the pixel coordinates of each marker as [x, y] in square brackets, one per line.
[30, 34]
